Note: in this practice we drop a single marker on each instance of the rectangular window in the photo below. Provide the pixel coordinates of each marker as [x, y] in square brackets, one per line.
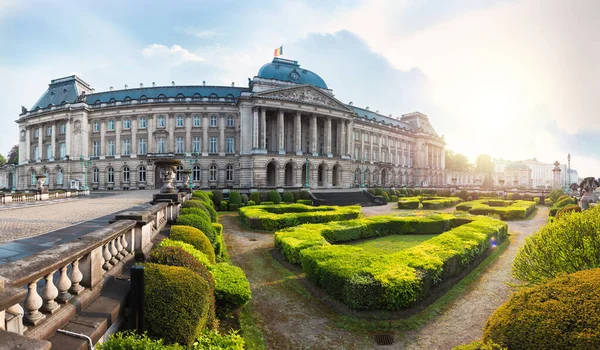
[49, 131]
[356, 136]
[197, 121]
[160, 121]
[111, 125]
[213, 145]
[96, 126]
[96, 149]
[63, 149]
[230, 121]
[213, 120]
[160, 145]
[142, 123]
[383, 157]
[374, 156]
[356, 153]
[230, 145]
[126, 124]
[179, 145]
[366, 137]
[126, 147]
[111, 147]
[196, 144]
[179, 121]
[48, 151]
[366, 155]
[63, 128]
[36, 154]
[36, 133]
[142, 146]
[374, 139]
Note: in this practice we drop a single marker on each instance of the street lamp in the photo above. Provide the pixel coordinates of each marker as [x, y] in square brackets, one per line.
[85, 164]
[362, 176]
[193, 157]
[306, 180]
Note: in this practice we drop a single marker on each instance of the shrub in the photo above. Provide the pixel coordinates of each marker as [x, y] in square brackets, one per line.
[213, 340]
[196, 238]
[205, 197]
[204, 259]
[393, 198]
[250, 203]
[559, 314]
[568, 209]
[266, 203]
[234, 207]
[479, 345]
[304, 194]
[196, 211]
[304, 201]
[408, 203]
[556, 194]
[217, 197]
[444, 193]
[507, 210]
[288, 197]
[567, 245]
[527, 197]
[255, 197]
[378, 192]
[202, 225]
[275, 217]
[548, 202]
[463, 195]
[561, 203]
[536, 200]
[129, 340]
[232, 288]
[245, 198]
[174, 290]
[264, 197]
[224, 206]
[296, 195]
[235, 198]
[208, 208]
[274, 197]
[386, 196]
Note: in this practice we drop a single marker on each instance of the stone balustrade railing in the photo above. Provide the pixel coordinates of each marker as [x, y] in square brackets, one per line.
[40, 293]
[30, 197]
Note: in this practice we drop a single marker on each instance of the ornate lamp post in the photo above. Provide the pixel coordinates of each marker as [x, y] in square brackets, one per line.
[85, 166]
[306, 180]
[362, 174]
[192, 157]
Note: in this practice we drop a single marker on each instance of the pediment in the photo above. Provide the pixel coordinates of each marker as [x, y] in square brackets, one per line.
[304, 94]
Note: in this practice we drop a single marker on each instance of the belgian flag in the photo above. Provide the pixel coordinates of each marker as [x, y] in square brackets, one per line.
[278, 51]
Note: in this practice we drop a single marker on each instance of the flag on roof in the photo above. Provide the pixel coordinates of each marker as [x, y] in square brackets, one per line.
[278, 51]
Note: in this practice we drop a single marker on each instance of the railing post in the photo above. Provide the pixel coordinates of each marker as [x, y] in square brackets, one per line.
[91, 267]
[49, 293]
[33, 302]
[137, 298]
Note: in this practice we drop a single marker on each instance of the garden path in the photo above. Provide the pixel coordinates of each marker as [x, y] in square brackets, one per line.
[463, 321]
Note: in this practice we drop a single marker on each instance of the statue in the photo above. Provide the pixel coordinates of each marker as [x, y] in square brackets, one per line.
[588, 185]
[23, 110]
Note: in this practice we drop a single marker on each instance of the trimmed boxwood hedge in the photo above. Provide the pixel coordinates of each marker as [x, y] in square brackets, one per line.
[198, 255]
[561, 203]
[203, 225]
[507, 210]
[177, 303]
[429, 202]
[207, 207]
[196, 211]
[196, 238]
[559, 314]
[364, 280]
[409, 203]
[232, 288]
[275, 217]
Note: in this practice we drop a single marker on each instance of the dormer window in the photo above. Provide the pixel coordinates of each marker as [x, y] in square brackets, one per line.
[127, 100]
[197, 97]
[213, 97]
[162, 98]
[112, 101]
[143, 99]
[229, 98]
[180, 98]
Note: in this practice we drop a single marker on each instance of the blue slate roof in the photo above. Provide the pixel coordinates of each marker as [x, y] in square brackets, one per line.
[364, 113]
[61, 90]
[288, 70]
[167, 91]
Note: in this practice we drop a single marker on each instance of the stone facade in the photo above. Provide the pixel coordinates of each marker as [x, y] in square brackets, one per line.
[263, 135]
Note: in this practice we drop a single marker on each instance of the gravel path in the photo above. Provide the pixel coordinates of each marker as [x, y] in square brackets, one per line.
[463, 322]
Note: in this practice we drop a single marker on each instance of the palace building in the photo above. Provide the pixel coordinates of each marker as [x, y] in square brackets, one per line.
[262, 135]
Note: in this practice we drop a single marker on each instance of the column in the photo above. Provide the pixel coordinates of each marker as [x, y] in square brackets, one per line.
[443, 164]
[118, 138]
[342, 126]
[28, 143]
[222, 136]
[188, 133]
[350, 139]
[263, 128]
[171, 135]
[103, 139]
[298, 133]
[53, 141]
[134, 141]
[362, 146]
[396, 155]
[205, 135]
[313, 135]
[150, 127]
[68, 137]
[379, 155]
[328, 137]
[280, 132]
[255, 129]
[41, 142]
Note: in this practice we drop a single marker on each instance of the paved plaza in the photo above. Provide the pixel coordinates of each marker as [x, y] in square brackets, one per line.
[28, 228]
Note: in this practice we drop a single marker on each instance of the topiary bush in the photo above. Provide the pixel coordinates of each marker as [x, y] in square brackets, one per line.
[234, 207]
[444, 193]
[561, 203]
[463, 195]
[568, 209]
[304, 194]
[224, 206]
[536, 200]
[304, 201]
[232, 288]
[202, 225]
[196, 238]
[170, 291]
[204, 259]
[205, 197]
[129, 340]
[266, 203]
[275, 217]
[264, 197]
[245, 198]
[378, 192]
[479, 345]
[567, 245]
[274, 197]
[196, 211]
[548, 202]
[408, 203]
[250, 203]
[217, 197]
[559, 314]
[255, 197]
[287, 197]
[556, 194]
[296, 195]
[507, 210]
[208, 208]
[235, 198]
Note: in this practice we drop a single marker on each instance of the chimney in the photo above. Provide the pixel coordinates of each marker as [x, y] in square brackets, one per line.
[173, 83]
[153, 84]
[111, 88]
[141, 85]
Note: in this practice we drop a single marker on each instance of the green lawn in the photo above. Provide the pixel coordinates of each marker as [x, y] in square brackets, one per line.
[392, 243]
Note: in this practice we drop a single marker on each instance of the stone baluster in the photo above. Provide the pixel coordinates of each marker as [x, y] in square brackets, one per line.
[64, 283]
[119, 247]
[32, 304]
[76, 277]
[113, 252]
[49, 293]
[106, 255]
[125, 244]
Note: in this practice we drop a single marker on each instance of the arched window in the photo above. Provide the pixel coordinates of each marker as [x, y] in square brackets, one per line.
[197, 97]
[33, 177]
[110, 172]
[196, 173]
[180, 97]
[212, 173]
[142, 174]
[95, 175]
[179, 176]
[125, 174]
[229, 172]
[59, 176]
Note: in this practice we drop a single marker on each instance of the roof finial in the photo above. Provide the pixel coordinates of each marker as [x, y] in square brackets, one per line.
[377, 111]
[111, 88]
[203, 83]
[367, 108]
[350, 103]
[153, 84]
[232, 84]
[126, 86]
[141, 85]
[173, 83]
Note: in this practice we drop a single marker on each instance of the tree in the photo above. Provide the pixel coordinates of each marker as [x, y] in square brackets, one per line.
[2, 160]
[13, 155]
[484, 164]
[457, 162]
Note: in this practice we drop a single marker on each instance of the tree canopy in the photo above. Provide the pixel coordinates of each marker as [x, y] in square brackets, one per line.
[484, 164]
[457, 162]
[2, 160]
[13, 155]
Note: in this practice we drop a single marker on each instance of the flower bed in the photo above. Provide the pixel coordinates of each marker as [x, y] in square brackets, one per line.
[276, 217]
[364, 280]
[506, 209]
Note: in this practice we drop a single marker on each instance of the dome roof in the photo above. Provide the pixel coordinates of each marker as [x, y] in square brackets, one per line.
[288, 70]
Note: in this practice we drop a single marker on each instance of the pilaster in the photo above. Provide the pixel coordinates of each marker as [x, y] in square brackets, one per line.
[328, 137]
[313, 135]
[280, 132]
[298, 133]
[222, 137]
[205, 137]
[53, 141]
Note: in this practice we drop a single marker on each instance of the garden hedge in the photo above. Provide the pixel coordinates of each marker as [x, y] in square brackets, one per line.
[196, 211]
[364, 280]
[559, 314]
[176, 302]
[568, 209]
[409, 203]
[505, 209]
[276, 217]
[207, 207]
[196, 238]
[567, 245]
[479, 345]
[274, 197]
[561, 203]
[287, 197]
[429, 202]
[232, 289]
[205, 226]
[201, 257]
[304, 201]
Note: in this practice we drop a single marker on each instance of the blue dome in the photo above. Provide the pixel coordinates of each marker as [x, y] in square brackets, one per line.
[288, 70]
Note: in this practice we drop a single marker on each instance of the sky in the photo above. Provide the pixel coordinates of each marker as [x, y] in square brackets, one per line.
[513, 79]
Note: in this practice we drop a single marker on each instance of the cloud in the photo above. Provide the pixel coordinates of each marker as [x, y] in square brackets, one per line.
[176, 54]
[202, 33]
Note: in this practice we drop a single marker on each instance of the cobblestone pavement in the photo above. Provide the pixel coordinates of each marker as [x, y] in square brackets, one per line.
[22, 221]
